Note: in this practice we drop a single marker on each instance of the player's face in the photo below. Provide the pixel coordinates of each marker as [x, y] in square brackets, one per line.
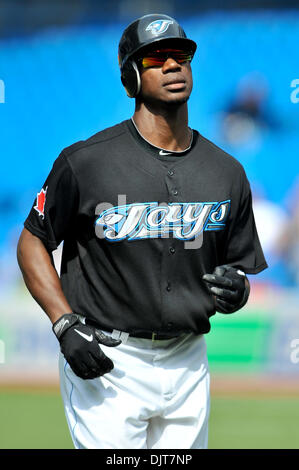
[166, 76]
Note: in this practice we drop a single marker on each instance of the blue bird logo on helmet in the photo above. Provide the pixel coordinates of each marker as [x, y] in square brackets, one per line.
[159, 26]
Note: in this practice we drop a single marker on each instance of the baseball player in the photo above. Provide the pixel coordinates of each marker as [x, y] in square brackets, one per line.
[158, 235]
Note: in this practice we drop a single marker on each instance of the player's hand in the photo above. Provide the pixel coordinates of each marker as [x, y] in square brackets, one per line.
[230, 286]
[80, 345]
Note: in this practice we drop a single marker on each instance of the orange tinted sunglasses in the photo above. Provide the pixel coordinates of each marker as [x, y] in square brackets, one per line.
[158, 57]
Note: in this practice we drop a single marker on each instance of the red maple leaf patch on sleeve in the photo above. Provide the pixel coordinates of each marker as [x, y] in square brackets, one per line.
[40, 202]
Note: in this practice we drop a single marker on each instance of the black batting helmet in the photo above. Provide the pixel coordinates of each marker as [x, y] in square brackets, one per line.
[142, 32]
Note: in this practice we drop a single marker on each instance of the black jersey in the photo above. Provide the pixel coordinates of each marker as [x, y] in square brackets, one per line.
[141, 227]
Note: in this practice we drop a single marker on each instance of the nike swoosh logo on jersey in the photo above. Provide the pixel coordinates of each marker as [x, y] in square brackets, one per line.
[87, 337]
[164, 153]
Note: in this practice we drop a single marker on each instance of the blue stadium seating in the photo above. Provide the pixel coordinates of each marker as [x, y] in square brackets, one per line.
[63, 85]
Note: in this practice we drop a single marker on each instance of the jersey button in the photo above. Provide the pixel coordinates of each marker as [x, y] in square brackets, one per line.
[170, 172]
[168, 287]
[172, 250]
[175, 192]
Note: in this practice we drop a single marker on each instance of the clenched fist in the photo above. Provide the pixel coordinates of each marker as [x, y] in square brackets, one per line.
[80, 345]
[230, 286]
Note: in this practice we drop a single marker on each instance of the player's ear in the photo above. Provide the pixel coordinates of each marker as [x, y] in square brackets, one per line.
[130, 78]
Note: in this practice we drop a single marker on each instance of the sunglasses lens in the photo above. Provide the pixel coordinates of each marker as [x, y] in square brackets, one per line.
[152, 62]
[157, 58]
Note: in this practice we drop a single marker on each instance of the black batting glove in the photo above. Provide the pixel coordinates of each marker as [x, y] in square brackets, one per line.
[80, 345]
[229, 287]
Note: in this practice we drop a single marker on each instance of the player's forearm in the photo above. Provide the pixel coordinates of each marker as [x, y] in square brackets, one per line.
[40, 276]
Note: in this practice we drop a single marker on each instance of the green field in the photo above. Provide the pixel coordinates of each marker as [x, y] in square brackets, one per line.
[35, 420]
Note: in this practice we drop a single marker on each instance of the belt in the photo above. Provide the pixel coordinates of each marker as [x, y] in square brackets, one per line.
[153, 335]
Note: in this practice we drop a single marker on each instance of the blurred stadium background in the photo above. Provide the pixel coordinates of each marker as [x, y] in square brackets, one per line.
[59, 83]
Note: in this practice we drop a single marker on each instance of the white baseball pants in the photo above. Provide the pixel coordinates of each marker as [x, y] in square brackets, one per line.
[156, 397]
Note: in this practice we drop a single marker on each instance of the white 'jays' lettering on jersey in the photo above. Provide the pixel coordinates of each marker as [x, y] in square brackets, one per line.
[151, 219]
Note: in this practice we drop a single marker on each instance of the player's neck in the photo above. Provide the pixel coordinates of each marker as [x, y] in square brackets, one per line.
[165, 128]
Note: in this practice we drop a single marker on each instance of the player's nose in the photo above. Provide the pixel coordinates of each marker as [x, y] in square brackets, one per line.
[170, 65]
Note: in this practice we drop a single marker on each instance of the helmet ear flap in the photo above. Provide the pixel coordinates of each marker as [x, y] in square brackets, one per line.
[130, 78]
